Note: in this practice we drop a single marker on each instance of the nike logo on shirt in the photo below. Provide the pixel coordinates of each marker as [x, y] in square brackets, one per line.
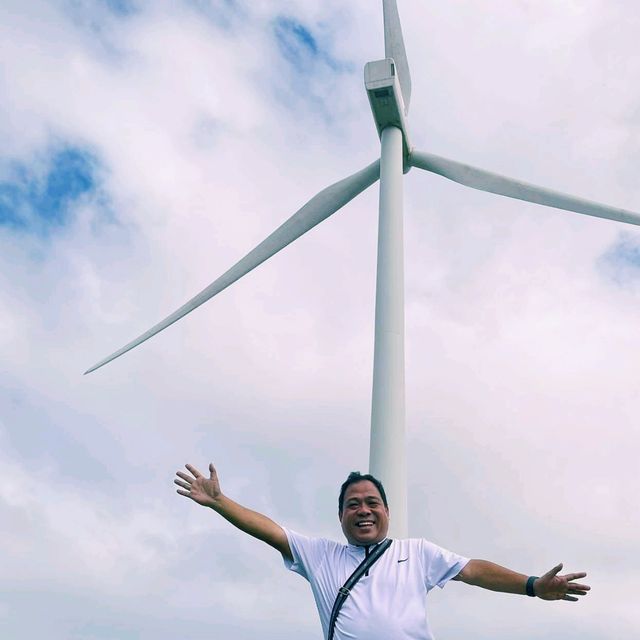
[403, 560]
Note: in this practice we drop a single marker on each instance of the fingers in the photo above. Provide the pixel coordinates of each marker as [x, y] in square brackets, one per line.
[212, 471]
[575, 576]
[573, 586]
[195, 474]
[189, 484]
[574, 589]
[553, 572]
[194, 471]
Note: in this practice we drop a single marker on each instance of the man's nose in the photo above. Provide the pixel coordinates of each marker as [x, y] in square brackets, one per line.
[363, 510]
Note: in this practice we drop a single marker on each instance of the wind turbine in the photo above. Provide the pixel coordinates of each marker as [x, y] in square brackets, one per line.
[388, 86]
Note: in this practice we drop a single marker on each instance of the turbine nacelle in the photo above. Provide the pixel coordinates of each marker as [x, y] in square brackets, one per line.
[385, 97]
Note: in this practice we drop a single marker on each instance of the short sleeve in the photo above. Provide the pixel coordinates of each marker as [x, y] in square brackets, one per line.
[440, 565]
[307, 553]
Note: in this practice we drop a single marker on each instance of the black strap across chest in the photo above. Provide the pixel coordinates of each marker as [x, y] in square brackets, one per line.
[343, 592]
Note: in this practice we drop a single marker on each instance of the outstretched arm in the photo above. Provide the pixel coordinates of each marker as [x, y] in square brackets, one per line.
[206, 491]
[550, 586]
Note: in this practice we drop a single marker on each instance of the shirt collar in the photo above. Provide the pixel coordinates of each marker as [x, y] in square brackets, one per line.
[361, 547]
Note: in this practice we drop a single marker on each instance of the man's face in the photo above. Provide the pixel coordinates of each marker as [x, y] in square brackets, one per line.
[364, 518]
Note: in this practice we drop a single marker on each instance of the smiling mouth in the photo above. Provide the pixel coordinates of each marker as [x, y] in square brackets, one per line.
[367, 524]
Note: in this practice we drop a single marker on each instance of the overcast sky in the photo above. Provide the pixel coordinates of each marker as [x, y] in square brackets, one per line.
[146, 146]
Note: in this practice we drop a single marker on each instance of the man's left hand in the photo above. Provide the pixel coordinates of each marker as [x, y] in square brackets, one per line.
[551, 586]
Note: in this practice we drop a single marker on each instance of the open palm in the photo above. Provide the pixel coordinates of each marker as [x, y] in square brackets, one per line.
[203, 490]
[551, 586]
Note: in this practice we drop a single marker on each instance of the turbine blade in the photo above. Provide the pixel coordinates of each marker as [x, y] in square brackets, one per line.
[494, 183]
[320, 207]
[394, 48]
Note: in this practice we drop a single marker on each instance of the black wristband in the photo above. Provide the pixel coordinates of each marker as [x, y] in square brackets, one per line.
[529, 587]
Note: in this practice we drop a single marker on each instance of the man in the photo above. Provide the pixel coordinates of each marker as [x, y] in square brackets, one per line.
[389, 600]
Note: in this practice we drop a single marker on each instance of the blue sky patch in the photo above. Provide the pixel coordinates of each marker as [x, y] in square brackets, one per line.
[309, 71]
[42, 198]
[300, 47]
[294, 40]
[621, 263]
[121, 7]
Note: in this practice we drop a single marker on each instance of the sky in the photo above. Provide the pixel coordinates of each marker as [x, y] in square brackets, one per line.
[147, 146]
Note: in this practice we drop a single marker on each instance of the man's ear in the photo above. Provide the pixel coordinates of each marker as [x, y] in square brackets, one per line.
[340, 516]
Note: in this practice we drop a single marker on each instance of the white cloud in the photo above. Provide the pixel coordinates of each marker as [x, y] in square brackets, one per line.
[521, 370]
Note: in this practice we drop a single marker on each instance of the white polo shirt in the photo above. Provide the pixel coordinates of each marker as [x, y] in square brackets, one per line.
[390, 602]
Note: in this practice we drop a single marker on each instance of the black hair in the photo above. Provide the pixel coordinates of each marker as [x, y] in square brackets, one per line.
[356, 476]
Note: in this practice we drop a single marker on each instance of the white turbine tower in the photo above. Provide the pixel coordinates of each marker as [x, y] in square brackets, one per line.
[388, 86]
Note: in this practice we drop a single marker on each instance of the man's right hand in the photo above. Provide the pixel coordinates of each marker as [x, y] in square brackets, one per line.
[203, 490]
[206, 491]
